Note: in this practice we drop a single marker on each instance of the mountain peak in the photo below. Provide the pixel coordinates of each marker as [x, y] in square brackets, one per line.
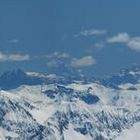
[12, 78]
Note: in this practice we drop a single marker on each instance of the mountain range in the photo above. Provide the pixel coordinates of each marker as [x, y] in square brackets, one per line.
[36, 106]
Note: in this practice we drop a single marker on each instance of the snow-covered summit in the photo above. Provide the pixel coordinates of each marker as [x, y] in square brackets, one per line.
[50, 107]
[56, 112]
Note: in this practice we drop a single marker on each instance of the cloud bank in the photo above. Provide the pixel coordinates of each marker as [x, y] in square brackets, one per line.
[14, 57]
[120, 38]
[57, 55]
[83, 62]
[92, 32]
[132, 42]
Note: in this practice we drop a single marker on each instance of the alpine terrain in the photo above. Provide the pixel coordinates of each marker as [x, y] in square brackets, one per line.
[36, 106]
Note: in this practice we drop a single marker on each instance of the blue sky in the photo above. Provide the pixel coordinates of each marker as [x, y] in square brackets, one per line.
[95, 36]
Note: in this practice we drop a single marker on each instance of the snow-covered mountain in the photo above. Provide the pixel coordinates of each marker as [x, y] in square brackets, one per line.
[37, 106]
[126, 75]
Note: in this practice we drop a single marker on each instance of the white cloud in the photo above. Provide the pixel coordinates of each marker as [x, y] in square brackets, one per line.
[13, 57]
[14, 41]
[57, 55]
[92, 32]
[120, 38]
[134, 44]
[99, 45]
[61, 55]
[52, 63]
[83, 62]
[55, 58]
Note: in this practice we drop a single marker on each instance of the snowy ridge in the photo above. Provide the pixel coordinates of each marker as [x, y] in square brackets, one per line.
[50, 107]
[63, 112]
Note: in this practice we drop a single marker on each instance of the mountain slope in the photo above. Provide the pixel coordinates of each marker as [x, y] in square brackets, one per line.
[29, 112]
[49, 107]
